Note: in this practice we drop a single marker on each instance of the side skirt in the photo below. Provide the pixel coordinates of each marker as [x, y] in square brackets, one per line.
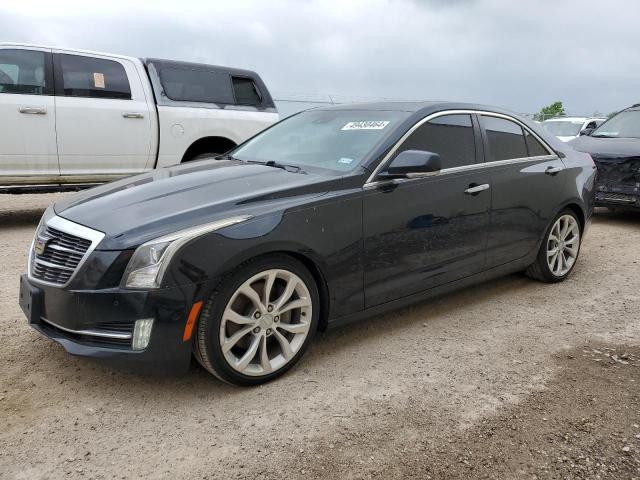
[496, 272]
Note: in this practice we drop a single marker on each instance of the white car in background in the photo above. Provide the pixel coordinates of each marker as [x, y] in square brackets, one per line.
[568, 128]
[71, 119]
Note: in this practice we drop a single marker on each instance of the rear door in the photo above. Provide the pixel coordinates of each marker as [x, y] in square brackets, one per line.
[103, 117]
[424, 232]
[27, 116]
[527, 179]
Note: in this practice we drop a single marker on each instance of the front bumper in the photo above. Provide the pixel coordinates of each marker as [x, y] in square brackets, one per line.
[618, 196]
[100, 323]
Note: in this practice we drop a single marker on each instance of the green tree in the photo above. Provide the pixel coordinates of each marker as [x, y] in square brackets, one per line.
[556, 109]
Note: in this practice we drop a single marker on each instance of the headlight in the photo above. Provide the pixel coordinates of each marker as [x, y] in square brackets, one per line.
[150, 260]
[46, 216]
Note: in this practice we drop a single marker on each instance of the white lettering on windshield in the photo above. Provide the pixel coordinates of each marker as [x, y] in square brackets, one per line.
[366, 125]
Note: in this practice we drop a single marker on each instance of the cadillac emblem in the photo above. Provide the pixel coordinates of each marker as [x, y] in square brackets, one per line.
[40, 245]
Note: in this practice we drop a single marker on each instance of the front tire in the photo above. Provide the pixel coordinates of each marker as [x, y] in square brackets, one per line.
[559, 250]
[259, 321]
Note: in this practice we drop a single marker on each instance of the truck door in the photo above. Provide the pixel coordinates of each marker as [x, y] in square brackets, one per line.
[27, 117]
[103, 118]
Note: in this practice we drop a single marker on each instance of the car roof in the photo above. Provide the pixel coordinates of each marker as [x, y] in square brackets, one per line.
[68, 50]
[426, 107]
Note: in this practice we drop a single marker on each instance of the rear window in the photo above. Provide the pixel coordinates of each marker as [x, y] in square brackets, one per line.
[22, 71]
[93, 77]
[246, 91]
[196, 85]
[505, 139]
[536, 149]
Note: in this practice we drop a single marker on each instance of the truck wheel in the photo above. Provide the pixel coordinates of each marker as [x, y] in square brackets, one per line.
[259, 321]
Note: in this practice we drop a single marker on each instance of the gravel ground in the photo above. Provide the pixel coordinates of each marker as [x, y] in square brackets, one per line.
[509, 379]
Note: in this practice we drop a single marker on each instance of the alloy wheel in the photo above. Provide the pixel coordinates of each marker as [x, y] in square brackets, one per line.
[265, 322]
[563, 244]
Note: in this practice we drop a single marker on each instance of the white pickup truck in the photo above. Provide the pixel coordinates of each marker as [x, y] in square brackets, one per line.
[70, 119]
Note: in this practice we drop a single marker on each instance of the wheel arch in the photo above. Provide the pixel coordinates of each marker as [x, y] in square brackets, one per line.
[307, 261]
[214, 144]
[577, 209]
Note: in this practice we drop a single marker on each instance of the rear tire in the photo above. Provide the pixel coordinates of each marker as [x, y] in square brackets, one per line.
[559, 250]
[259, 321]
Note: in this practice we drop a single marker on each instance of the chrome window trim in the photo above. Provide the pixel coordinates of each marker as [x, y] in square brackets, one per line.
[71, 228]
[418, 124]
[92, 333]
[465, 168]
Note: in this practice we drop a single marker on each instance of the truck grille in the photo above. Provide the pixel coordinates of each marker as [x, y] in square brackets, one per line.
[57, 254]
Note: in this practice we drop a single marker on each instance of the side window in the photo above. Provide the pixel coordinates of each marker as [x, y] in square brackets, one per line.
[450, 136]
[505, 139]
[93, 77]
[22, 71]
[195, 85]
[536, 149]
[245, 91]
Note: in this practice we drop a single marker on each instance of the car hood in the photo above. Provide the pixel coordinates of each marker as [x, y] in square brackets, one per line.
[136, 209]
[607, 147]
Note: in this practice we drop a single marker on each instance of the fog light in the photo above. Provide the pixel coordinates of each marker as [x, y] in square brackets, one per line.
[142, 333]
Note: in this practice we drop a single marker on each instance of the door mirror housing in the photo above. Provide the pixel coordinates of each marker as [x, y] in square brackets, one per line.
[412, 164]
[587, 131]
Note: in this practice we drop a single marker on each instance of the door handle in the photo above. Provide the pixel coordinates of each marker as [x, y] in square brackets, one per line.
[475, 189]
[132, 115]
[553, 170]
[33, 110]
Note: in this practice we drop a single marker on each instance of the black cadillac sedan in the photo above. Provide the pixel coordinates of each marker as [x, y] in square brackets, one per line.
[330, 215]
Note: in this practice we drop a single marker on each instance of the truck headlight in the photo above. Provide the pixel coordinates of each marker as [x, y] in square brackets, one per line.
[150, 260]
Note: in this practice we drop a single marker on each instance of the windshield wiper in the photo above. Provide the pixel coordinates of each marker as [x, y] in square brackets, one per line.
[226, 156]
[283, 166]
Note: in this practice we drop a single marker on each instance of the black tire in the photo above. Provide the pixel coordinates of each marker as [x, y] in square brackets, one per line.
[540, 270]
[207, 348]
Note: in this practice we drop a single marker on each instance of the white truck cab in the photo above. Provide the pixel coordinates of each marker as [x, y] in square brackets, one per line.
[71, 118]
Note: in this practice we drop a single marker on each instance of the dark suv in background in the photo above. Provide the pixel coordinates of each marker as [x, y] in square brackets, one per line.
[615, 148]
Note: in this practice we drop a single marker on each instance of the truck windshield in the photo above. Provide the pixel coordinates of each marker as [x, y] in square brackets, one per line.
[334, 140]
[624, 125]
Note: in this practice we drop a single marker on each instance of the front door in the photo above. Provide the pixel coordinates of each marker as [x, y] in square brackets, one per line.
[103, 118]
[424, 232]
[28, 152]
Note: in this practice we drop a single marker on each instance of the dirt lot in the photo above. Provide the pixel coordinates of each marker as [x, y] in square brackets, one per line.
[510, 379]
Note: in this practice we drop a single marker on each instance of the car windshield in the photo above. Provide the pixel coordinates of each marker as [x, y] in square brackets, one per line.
[333, 140]
[563, 128]
[624, 125]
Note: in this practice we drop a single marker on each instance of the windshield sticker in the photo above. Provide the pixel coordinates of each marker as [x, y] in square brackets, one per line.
[366, 125]
[345, 160]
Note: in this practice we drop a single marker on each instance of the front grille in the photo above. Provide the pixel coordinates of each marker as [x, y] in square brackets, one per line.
[57, 254]
[89, 337]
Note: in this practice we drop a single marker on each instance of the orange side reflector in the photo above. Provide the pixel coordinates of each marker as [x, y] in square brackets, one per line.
[191, 321]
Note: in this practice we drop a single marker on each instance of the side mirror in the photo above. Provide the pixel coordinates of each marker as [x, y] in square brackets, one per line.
[413, 163]
[586, 131]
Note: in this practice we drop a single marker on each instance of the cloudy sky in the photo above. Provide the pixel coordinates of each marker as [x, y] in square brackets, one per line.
[516, 54]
